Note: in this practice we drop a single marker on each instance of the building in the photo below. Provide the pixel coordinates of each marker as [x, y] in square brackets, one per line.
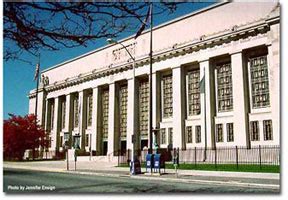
[230, 49]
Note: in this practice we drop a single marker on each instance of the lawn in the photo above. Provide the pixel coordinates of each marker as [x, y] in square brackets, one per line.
[223, 167]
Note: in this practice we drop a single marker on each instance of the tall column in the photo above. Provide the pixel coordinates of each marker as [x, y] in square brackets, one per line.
[46, 115]
[54, 136]
[94, 120]
[239, 108]
[274, 79]
[132, 114]
[68, 117]
[111, 120]
[81, 119]
[156, 87]
[178, 108]
[209, 102]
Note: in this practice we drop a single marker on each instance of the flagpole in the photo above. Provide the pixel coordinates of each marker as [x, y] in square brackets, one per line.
[150, 83]
[37, 87]
[205, 150]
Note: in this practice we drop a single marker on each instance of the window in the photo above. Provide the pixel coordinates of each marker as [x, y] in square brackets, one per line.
[76, 111]
[224, 88]
[87, 140]
[123, 111]
[219, 133]
[162, 136]
[63, 112]
[143, 108]
[254, 130]
[230, 134]
[198, 134]
[193, 92]
[89, 109]
[105, 113]
[52, 117]
[189, 134]
[167, 98]
[170, 136]
[259, 82]
[267, 130]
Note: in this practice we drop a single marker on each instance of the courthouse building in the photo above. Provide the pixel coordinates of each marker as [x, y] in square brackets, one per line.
[230, 49]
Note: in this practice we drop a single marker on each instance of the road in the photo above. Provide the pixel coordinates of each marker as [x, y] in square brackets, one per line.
[20, 181]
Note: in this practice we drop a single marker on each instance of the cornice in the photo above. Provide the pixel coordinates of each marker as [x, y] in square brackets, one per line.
[204, 42]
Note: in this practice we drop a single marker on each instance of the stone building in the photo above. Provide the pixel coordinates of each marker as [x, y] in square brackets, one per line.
[229, 49]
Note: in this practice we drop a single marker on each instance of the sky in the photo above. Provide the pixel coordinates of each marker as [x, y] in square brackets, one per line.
[18, 76]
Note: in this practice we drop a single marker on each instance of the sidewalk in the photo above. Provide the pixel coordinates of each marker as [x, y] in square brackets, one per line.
[269, 180]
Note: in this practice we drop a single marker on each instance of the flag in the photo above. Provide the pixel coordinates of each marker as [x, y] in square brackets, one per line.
[147, 19]
[202, 85]
[37, 71]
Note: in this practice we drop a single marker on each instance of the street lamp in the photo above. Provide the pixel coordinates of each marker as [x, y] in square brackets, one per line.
[112, 41]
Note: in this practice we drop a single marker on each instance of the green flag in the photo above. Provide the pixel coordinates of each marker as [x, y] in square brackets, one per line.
[202, 85]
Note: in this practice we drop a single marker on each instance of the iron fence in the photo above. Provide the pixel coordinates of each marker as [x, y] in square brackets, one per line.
[256, 155]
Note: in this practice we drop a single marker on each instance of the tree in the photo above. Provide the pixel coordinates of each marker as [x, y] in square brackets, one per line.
[20, 134]
[30, 26]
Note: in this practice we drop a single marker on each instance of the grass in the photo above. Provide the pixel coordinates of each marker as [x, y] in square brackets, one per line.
[222, 167]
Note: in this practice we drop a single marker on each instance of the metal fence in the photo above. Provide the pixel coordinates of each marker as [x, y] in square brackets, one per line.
[256, 155]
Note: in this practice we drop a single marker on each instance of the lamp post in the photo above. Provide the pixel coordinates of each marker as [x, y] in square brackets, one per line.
[112, 41]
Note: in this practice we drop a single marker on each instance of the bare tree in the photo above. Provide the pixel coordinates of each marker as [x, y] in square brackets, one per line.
[31, 26]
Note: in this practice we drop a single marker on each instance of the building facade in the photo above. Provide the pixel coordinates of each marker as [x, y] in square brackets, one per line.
[215, 82]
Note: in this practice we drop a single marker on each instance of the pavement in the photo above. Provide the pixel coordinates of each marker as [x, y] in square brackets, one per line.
[243, 179]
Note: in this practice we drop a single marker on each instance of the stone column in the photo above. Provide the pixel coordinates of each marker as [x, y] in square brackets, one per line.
[156, 95]
[81, 122]
[46, 115]
[239, 108]
[94, 120]
[178, 108]
[274, 80]
[111, 121]
[55, 131]
[132, 114]
[68, 117]
[209, 102]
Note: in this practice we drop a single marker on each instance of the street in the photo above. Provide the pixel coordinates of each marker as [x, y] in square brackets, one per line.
[19, 181]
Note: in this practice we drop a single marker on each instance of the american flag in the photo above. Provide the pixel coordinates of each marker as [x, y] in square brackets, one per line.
[145, 23]
[37, 71]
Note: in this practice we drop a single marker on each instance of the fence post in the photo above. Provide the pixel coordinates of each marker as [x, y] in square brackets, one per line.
[260, 161]
[237, 156]
[195, 156]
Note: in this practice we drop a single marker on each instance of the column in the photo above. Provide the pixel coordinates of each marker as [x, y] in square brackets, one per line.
[95, 124]
[209, 101]
[156, 95]
[46, 115]
[111, 120]
[54, 134]
[178, 108]
[68, 117]
[130, 113]
[81, 119]
[239, 108]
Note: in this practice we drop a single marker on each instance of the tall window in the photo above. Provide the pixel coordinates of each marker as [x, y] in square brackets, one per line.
[52, 117]
[230, 133]
[219, 133]
[198, 134]
[123, 111]
[224, 88]
[167, 97]
[267, 130]
[170, 136]
[105, 113]
[143, 108]
[193, 92]
[76, 111]
[259, 82]
[89, 109]
[254, 131]
[162, 136]
[189, 134]
[63, 113]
